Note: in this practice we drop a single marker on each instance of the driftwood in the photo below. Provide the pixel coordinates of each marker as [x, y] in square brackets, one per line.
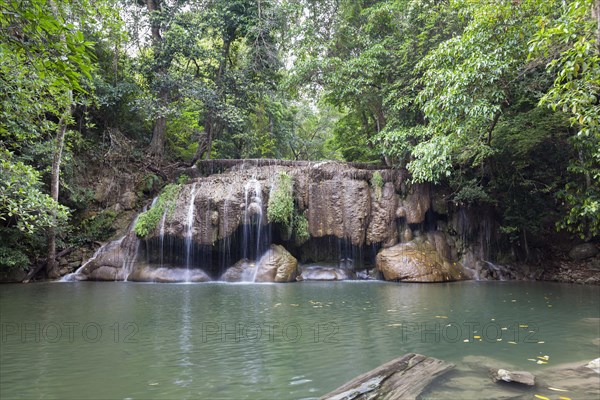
[405, 377]
[31, 274]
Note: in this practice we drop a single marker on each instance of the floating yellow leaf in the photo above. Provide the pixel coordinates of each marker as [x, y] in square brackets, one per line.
[466, 340]
[545, 358]
[476, 337]
[564, 398]
[531, 359]
[523, 326]
[512, 342]
[539, 396]
[541, 342]
[557, 389]
[504, 329]
[542, 362]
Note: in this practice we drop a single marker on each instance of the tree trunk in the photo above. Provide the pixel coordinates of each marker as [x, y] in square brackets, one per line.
[598, 31]
[157, 145]
[52, 264]
[212, 124]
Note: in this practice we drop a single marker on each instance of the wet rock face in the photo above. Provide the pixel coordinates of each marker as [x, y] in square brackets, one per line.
[277, 265]
[418, 261]
[113, 256]
[337, 200]
[415, 205]
[339, 208]
[382, 226]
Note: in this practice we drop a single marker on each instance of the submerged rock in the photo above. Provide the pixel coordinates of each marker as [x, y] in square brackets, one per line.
[523, 377]
[417, 261]
[277, 265]
[406, 377]
[594, 365]
[168, 275]
[321, 273]
[579, 380]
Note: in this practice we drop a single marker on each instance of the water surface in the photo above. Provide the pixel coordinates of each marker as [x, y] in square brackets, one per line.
[287, 341]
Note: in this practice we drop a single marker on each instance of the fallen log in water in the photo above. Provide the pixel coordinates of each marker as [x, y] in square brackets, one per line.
[405, 377]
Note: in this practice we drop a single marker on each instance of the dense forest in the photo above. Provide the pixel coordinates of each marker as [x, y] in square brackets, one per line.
[496, 100]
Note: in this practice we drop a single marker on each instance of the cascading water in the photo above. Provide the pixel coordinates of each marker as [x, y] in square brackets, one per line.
[126, 247]
[72, 277]
[190, 229]
[253, 219]
[161, 239]
[253, 215]
[132, 250]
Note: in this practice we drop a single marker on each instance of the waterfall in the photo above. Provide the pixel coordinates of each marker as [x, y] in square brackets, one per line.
[73, 277]
[190, 229]
[131, 251]
[161, 239]
[253, 218]
[499, 272]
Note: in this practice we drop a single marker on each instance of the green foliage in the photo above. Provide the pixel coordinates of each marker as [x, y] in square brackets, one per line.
[471, 192]
[98, 227]
[148, 221]
[301, 228]
[377, 184]
[182, 179]
[281, 202]
[575, 89]
[22, 202]
[12, 258]
[149, 183]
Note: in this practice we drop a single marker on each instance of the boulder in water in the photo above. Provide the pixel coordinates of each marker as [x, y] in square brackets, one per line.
[523, 377]
[239, 272]
[417, 261]
[277, 265]
[105, 273]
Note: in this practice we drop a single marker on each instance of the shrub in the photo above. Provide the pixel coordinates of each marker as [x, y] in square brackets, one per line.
[281, 201]
[301, 228]
[148, 221]
[96, 228]
[377, 183]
